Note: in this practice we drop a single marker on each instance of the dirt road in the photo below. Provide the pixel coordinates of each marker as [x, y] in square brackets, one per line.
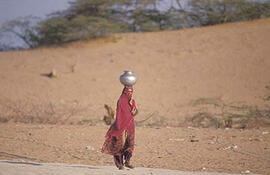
[30, 168]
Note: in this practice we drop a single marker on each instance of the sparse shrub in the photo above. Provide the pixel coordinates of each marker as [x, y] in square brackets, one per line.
[109, 118]
[158, 121]
[205, 120]
[30, 111]
[227, 115]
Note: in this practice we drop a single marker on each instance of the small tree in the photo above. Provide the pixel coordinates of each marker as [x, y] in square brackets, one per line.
[22, 28]
[211, 12]
[84, 19]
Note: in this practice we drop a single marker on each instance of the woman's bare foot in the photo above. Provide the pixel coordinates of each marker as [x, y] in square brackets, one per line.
[121, 167]
[128, 165]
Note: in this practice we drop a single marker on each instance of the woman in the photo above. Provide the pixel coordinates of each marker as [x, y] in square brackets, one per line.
[120, 137]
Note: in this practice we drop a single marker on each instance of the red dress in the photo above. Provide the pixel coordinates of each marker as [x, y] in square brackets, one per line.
[120, 137]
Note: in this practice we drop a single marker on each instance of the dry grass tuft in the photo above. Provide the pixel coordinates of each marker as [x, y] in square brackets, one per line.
[108, 119]
[28, 111]
[227, 115]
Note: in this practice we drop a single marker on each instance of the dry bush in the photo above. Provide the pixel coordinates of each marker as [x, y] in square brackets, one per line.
[227, 115]
[153, 120]
[31, 111]
[205, 120]
[252, 118]
[108, 119]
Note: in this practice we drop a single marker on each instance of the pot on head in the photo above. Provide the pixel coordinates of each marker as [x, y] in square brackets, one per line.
[128, 79]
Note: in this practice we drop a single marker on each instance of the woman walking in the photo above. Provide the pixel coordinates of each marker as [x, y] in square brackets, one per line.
[120, 137]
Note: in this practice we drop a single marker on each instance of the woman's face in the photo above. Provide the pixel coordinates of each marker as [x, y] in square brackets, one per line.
[130, 92]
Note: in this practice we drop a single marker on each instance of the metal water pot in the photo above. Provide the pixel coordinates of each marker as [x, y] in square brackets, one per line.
[128, 79]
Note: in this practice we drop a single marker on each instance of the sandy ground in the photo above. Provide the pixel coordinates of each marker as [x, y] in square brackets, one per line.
[185, 149]
[213, 72]
[29, 168]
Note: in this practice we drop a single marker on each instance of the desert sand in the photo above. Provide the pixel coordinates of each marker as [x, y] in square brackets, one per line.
[189, 82]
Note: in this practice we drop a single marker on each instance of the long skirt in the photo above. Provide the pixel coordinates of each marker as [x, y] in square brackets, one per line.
[121, 147]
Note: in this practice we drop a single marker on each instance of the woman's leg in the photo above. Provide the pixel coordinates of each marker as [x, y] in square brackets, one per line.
[127, 156]
[128, 149]
[118, 160]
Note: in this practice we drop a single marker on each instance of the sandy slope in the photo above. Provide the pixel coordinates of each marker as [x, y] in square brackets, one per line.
[181, 73]
[226, 62]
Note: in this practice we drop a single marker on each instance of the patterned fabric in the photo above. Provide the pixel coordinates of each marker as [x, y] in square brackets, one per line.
[119, 145]
[118, 159]
[120, 137]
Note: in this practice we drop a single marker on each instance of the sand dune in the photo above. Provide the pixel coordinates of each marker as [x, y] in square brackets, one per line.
[218, 71]
[227, 62]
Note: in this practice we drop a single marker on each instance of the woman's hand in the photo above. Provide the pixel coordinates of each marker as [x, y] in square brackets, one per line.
[133, 107]
[130, 102]
[133, 111]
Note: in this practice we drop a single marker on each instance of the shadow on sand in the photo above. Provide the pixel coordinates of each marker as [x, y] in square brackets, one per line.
[24, 163]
